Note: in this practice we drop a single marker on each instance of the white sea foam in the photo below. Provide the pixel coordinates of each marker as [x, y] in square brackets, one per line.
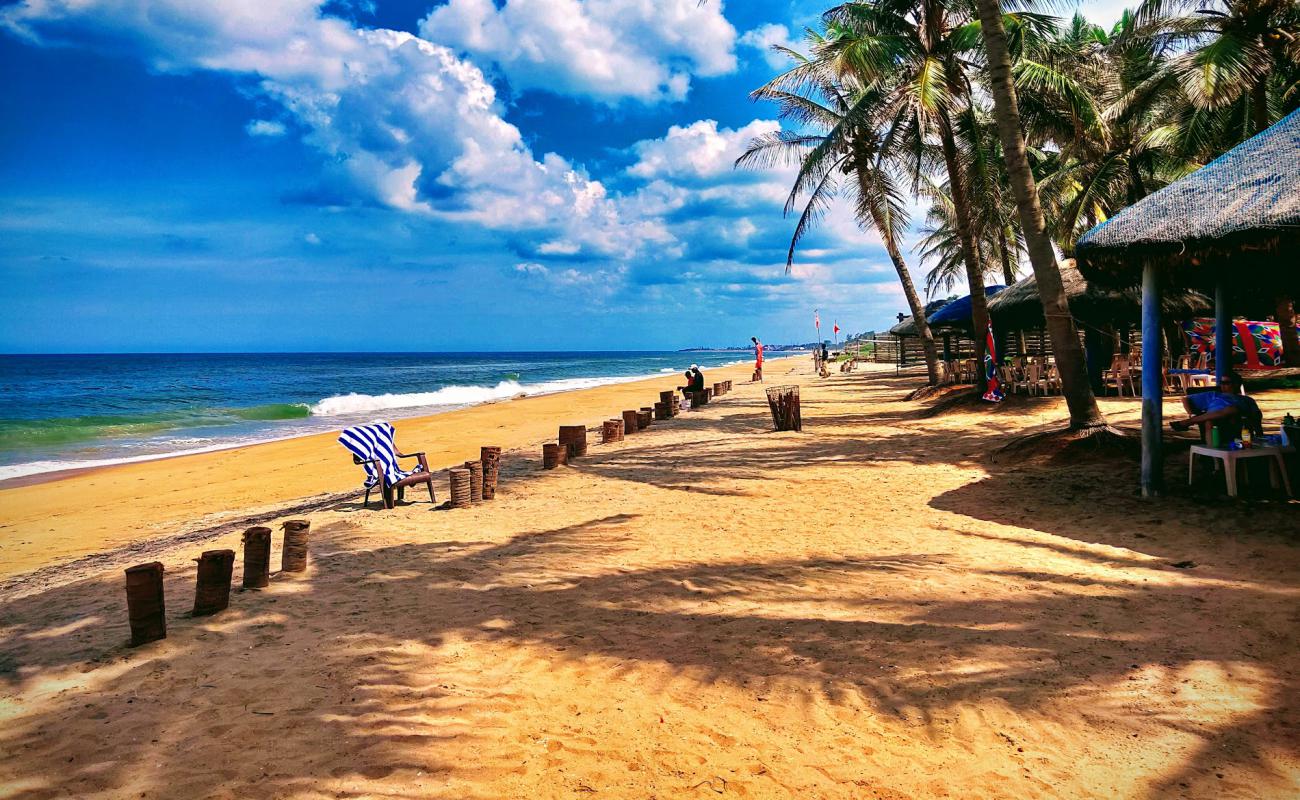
[456, 396]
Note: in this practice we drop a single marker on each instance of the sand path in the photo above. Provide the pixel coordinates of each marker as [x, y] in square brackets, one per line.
[869, 609]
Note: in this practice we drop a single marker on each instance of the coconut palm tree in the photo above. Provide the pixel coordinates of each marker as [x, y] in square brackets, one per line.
[1084, 413]
[915, 48]
[848, 157]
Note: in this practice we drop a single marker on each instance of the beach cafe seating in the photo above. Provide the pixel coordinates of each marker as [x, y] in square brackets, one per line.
[1119, 374]
[373, 448]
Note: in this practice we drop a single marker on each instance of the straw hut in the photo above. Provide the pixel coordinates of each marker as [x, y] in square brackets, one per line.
[1094, 305]
[1233, 225]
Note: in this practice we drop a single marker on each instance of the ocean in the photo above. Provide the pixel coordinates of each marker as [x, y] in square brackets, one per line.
[65, 411]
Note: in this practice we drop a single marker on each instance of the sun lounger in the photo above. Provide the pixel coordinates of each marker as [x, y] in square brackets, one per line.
[373, 447]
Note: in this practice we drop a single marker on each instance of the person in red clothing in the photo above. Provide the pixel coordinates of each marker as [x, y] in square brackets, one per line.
[758, 359]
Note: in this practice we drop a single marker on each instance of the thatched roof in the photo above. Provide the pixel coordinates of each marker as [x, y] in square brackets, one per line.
[1018, 308]
[1238, 216]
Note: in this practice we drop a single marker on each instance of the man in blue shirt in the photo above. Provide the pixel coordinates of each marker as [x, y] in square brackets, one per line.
[1226, 407]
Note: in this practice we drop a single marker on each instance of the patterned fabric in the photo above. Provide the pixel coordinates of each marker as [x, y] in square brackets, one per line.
[994, 393]
[1255, 345]
[374, 442]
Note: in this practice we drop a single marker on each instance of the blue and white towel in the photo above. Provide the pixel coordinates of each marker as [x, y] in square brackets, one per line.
[374, 442]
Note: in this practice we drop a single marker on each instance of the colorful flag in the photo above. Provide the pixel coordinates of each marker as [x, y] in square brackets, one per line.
[837, 327]
[994, 393]
[817, 319]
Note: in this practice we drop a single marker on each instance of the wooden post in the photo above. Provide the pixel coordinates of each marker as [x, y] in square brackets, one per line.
[491, 459]
[611, 430]
[629, 422]
[459, 487]
[257, 558]
[553, 455]
[475, 480]
[145, 607]
[1222, 331]
[293, 555]
[670, 398]
[643, 419]
[212, 589]
[1153, 394]
[661, 410]
[574, 439]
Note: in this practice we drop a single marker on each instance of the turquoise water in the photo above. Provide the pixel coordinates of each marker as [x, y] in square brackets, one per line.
[59, 412]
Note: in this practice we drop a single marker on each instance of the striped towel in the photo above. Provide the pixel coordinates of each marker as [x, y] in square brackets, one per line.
[374, 442]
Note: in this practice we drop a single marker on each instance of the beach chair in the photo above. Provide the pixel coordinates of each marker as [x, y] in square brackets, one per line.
[373, 447]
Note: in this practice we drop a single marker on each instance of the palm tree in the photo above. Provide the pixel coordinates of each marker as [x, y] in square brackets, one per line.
[915, 47]
[1084, 413]
[849, 157]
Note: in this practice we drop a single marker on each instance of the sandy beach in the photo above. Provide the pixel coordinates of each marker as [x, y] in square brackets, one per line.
[871, 608]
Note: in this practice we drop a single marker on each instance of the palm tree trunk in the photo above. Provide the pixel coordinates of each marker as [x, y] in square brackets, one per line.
[1286, 327]
[969, 253]
[1084, 412]
[1259, 105]
[917, 307]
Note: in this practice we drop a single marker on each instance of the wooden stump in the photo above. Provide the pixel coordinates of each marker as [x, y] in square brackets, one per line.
[629, 422]
[553, 455]
[459, 479]
[491, 460]
[611, 430]
[145, 608]
[783, 402]
[293, 555]
[475, 480]
[661, 410]
[708, 395]
[718, 390]
[697, 399]
[574, 438]
[644, 417]
[257, 558]
[670, 399]
[212, 589]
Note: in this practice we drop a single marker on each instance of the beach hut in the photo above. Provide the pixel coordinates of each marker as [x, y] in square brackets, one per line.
[1095, 307]
[956, 315]
[1232, 226]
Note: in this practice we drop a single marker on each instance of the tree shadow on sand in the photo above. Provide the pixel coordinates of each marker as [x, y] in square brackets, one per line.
[378, 702]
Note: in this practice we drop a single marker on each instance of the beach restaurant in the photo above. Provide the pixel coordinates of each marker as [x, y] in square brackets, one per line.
[1232, 228]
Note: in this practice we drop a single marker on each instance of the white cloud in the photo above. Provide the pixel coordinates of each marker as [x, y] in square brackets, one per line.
[407, 123]
[312, 239]
[265, 127]
[764, 37]
[605, 49]
[696, 151]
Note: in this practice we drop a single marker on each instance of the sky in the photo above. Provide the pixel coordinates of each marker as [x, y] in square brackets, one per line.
[353, 175]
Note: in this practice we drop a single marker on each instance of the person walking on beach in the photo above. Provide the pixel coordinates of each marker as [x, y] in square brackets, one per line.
[758, 359]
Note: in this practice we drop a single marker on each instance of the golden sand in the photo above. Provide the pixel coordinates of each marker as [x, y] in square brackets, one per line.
[868, 609]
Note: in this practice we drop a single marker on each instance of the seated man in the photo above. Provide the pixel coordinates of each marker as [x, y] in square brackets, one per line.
[697, 379]
[1225, 407]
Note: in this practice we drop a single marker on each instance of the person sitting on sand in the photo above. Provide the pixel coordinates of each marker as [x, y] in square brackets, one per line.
[1226, 406]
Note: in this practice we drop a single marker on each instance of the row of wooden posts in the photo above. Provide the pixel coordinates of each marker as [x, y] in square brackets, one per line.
[476, 481]
[146, 609]
[572, 440]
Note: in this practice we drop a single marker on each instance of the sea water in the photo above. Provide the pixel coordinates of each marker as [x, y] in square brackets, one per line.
[66, 411]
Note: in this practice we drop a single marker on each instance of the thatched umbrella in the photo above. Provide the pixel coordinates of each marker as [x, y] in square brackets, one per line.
[1019, 308]
[1234, 221]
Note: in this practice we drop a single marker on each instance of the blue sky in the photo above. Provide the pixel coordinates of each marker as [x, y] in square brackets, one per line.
[355, 175]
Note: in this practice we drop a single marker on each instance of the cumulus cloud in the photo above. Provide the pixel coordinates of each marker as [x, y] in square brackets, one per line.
[699, 151]
[604, 49]
[764, 37]
[407, 123]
